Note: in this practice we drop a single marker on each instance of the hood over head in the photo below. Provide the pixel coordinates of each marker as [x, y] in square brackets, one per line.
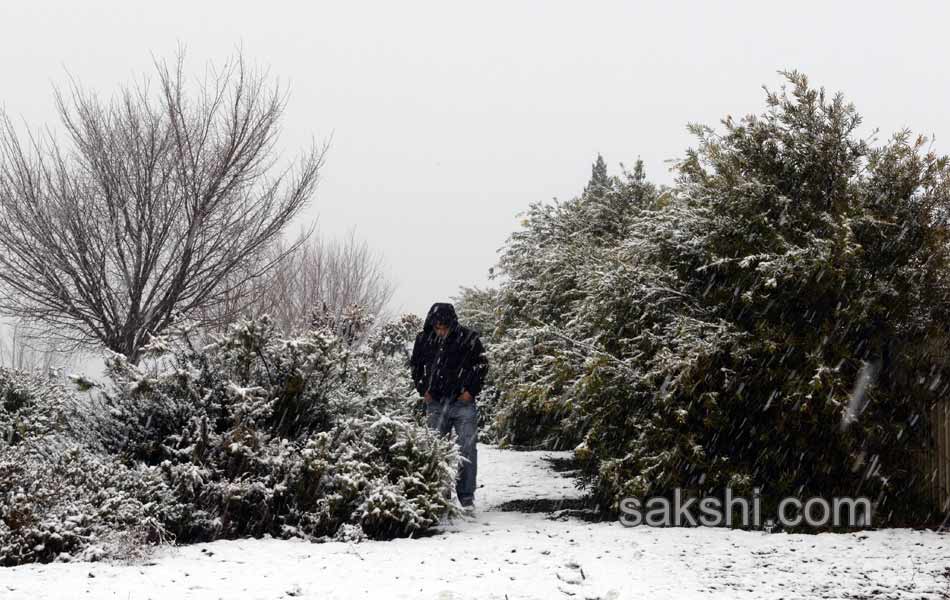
[441, 312]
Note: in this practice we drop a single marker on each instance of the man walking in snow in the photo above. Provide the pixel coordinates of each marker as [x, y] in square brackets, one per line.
[448, 369]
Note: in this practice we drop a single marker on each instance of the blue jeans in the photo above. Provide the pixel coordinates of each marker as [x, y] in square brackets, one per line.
[446, 414]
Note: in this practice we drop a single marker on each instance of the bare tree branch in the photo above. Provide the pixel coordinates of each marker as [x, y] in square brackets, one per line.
[309, 276]
[150, 208]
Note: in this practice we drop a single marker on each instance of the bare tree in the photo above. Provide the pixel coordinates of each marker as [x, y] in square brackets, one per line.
[317, 277]
[151, 207]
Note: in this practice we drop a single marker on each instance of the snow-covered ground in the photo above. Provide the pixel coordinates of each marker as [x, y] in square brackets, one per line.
[517, 555]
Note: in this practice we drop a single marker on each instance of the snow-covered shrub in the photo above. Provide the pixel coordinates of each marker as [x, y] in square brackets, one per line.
[395, 338]
[73, 503]
[384, 475]
[778, 319]
[249, 380]
[32, 406]
[243, 434]
[381, 368]
[389, 475]
[61, 496]
[477, 309]
[257, 434]
[540, 349]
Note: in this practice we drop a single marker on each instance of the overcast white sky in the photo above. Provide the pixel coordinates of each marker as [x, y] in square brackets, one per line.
[449, 118]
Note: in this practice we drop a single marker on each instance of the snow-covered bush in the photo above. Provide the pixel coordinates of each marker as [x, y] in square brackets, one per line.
[260, 434]
[477, 309]
[61, 497]
[73, 503]
[778, 319]
[243, 434]
[396, 472]
[382, 373]
[540, 348]
[32, 406]
[385, 475]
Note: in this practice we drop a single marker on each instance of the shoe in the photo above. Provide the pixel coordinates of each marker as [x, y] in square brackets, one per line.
[468, 509]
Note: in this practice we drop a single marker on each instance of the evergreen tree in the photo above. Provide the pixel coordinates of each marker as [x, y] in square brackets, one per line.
[546, 272]
[778, 319]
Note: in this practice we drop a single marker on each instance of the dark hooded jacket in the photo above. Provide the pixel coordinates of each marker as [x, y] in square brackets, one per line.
[444, 367]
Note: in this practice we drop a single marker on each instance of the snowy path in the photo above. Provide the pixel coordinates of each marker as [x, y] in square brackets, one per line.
[516, 556]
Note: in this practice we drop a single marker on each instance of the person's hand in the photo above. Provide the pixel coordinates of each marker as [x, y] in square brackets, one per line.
[428, 397]
[465, 396]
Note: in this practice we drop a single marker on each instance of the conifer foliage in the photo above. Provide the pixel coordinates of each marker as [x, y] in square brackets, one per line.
[776, 319]
[248, 433]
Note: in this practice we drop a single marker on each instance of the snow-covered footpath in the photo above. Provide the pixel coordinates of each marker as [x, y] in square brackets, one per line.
[516, 555]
